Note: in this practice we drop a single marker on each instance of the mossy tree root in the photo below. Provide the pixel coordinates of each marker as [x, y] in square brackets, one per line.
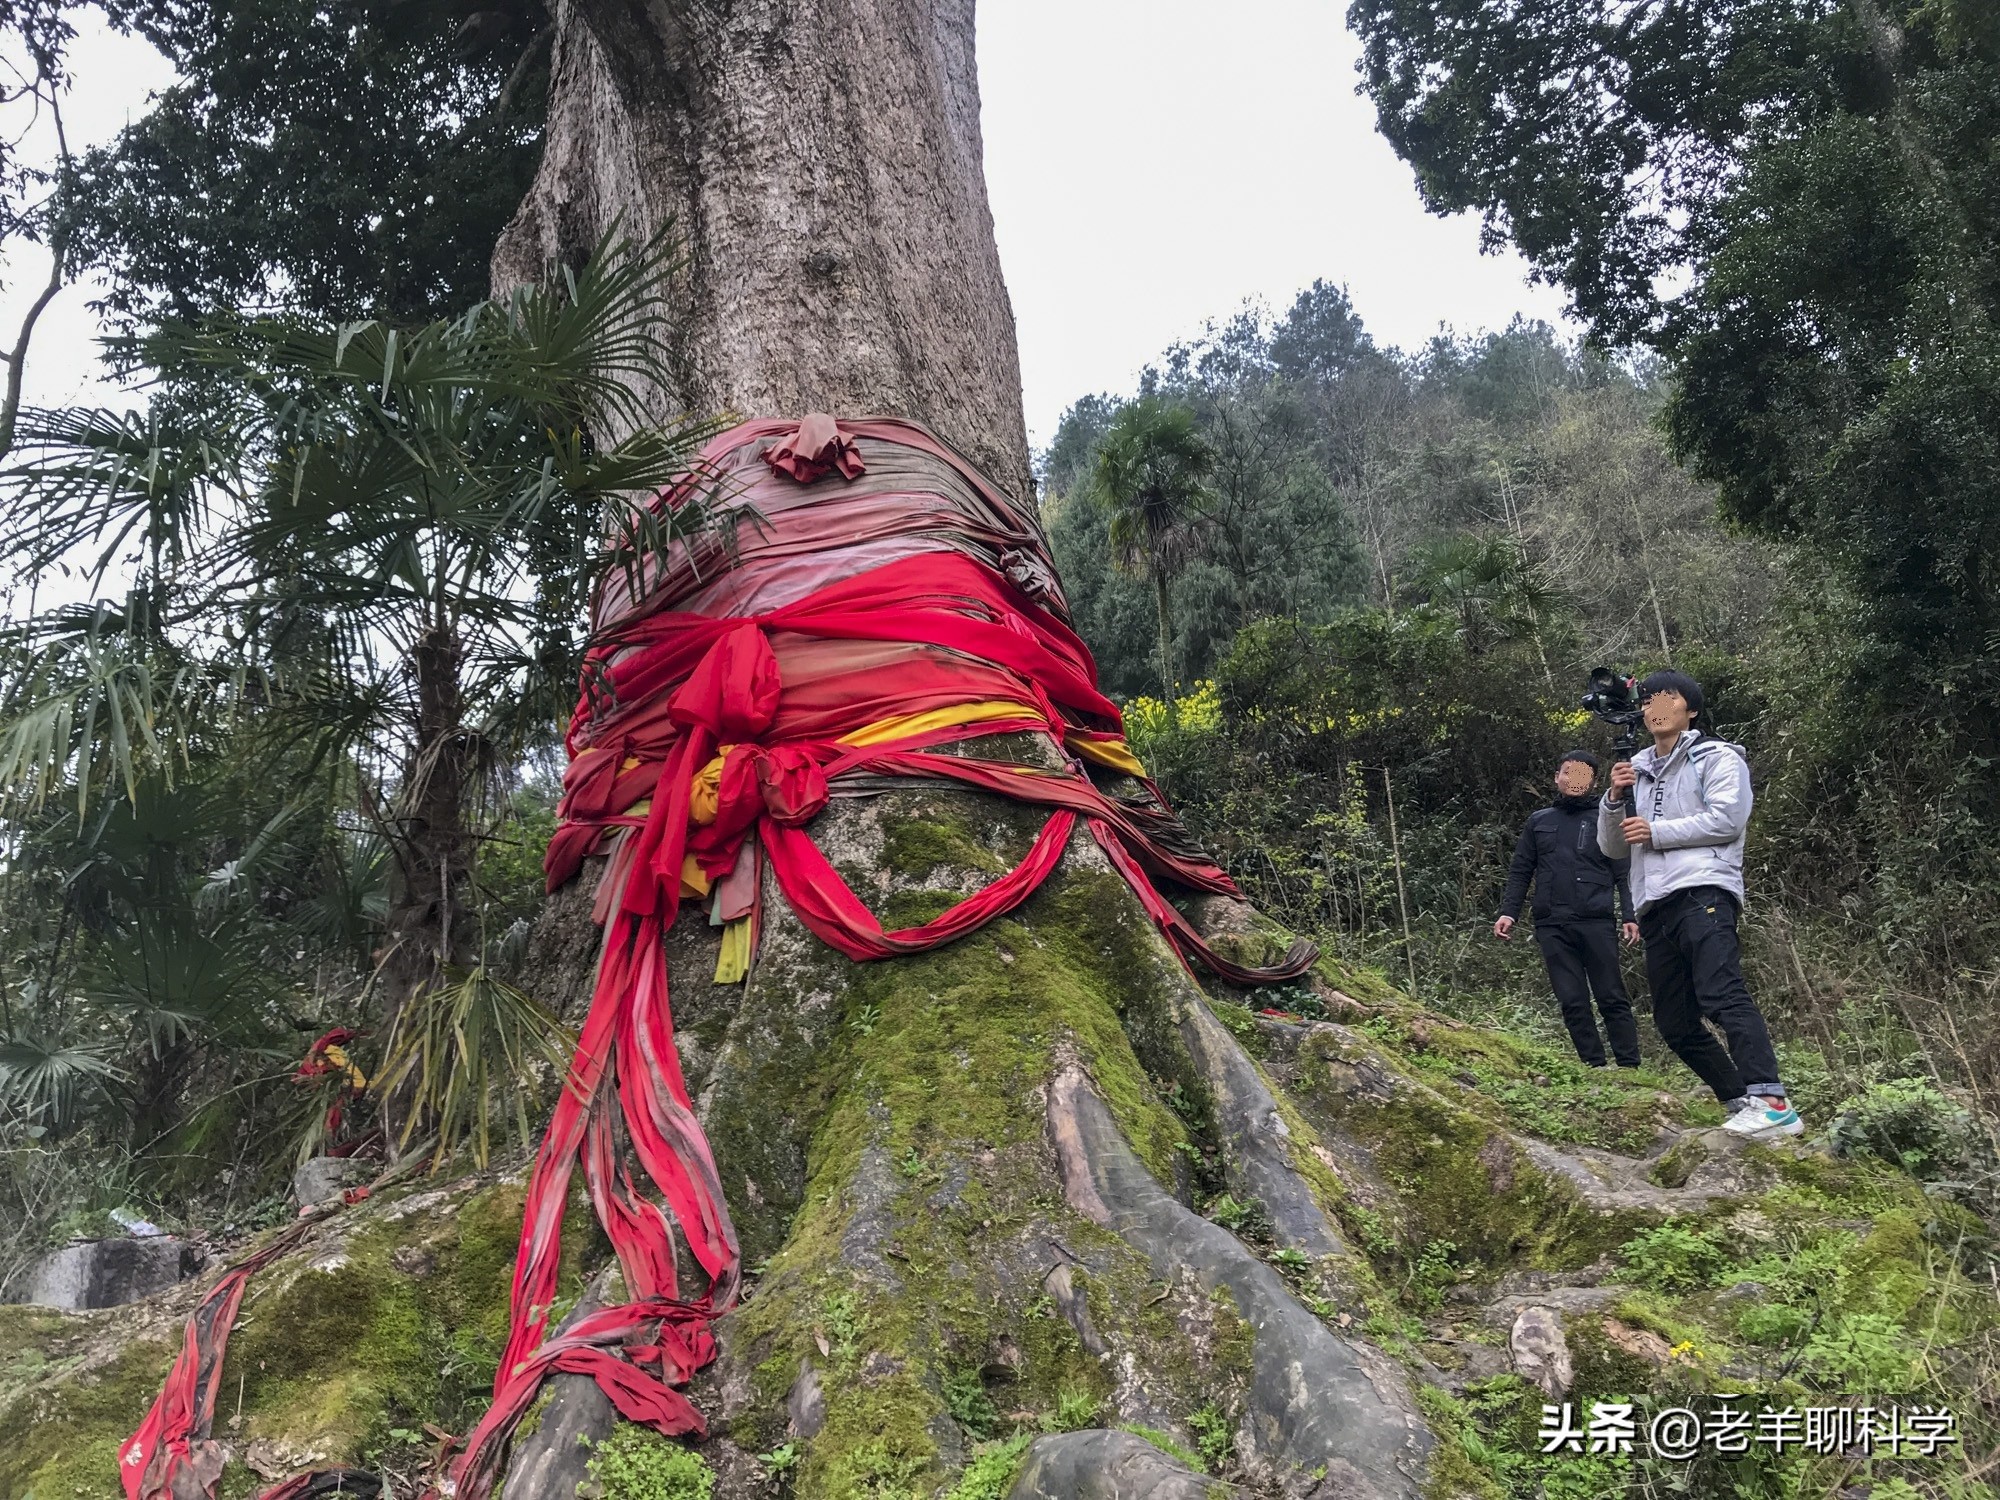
[1318, 1403]
[882, 1134]
[1104, 1464]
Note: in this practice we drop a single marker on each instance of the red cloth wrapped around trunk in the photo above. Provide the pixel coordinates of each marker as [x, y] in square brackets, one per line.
[880, 578]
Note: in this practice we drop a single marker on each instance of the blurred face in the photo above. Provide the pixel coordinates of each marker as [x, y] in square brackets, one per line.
[1667, 713]
[1574, 778]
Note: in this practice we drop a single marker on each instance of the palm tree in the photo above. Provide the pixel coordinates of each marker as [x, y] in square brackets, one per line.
[1488, 586]
[1151, 476]
[377, 537]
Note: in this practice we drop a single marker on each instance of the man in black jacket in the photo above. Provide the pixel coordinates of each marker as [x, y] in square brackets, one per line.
[1574, 881]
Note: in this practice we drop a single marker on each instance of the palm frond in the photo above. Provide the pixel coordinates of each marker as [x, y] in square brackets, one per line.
[95, 708]
[463, 1046]
[49, 1083]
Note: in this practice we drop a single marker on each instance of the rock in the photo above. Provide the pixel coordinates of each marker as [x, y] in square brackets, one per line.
[413, 1261]
[1471, 1363]
[109, 1273]
[264, 1459]
[878, 1367]
[1640, 1343]
[806, 1405]
[1743, 1291]
[1505, 1309]
[1541, 1353]
[1100, 1464]
[324, 1177]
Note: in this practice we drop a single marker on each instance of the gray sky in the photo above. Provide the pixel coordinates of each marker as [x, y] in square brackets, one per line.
[1152, 164]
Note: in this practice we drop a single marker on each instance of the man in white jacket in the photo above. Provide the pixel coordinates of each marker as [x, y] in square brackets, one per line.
[1685, 838]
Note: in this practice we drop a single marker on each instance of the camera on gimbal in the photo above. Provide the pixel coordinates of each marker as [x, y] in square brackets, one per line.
[1614, 697]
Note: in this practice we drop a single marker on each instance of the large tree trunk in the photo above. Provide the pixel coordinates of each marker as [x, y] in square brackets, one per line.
[958, 1169]
[822, 164]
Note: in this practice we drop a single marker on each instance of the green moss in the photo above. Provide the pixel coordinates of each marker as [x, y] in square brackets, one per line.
[1458, 1179]
[932, 839]
[1235, 1340]
[1453, 1474]
[64, 1435]
[991, 1473]
[1528, 1087]
[931, 1152]
[404, 1330]
[1167, 1444]
[1679, 1161]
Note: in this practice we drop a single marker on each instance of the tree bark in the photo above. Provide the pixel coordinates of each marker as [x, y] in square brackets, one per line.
[822, 164]
[955, 1172]
[433, 855]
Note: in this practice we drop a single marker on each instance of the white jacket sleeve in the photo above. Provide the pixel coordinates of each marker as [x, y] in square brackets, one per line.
[1724, 784]
[1610, 832]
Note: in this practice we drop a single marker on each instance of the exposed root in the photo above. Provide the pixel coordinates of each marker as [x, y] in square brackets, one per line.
[1316, 1399]
[1103, 1464]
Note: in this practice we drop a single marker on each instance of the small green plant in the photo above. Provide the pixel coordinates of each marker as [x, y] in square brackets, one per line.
[1214, 1437]
[1166, 1443]
[864, 1021]
[1772, 1323]
[1431, 1272]
[636, 1463]
[880, 1472]
[1373, 1232]
[1911, 1122]
[1075, 1409]
[966, 1399]
[844, 1322]
[1244, 1217]
[1674, 1260]
[780, 1461]
[912, 1164]
[1861, 1352]
[464, 1045]
[991, 1473]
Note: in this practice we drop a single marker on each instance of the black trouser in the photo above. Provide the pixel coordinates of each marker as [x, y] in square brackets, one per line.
[1696, 970]
[1582, 958]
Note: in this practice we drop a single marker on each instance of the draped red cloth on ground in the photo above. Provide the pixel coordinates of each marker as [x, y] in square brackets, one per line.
[879, 578]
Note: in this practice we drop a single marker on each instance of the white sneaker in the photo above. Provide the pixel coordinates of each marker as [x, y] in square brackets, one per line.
[1760, 1123]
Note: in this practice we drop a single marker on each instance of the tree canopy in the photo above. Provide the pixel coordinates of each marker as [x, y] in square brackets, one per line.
[1795, 202]
[353, 159]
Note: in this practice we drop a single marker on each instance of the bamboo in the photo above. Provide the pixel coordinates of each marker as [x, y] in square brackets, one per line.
[1402, 894]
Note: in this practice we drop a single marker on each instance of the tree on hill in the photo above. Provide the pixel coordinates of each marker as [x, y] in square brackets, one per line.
[1151, 477]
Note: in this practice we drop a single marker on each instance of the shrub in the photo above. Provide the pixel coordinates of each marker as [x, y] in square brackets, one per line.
[1913, 1123]
[1672, 1259]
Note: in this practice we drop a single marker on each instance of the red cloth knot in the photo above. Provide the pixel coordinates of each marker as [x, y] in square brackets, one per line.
[784, 781]
[814, 449]
[733, 690]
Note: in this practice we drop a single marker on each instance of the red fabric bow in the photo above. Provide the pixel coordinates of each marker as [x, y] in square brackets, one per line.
[814, 449]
